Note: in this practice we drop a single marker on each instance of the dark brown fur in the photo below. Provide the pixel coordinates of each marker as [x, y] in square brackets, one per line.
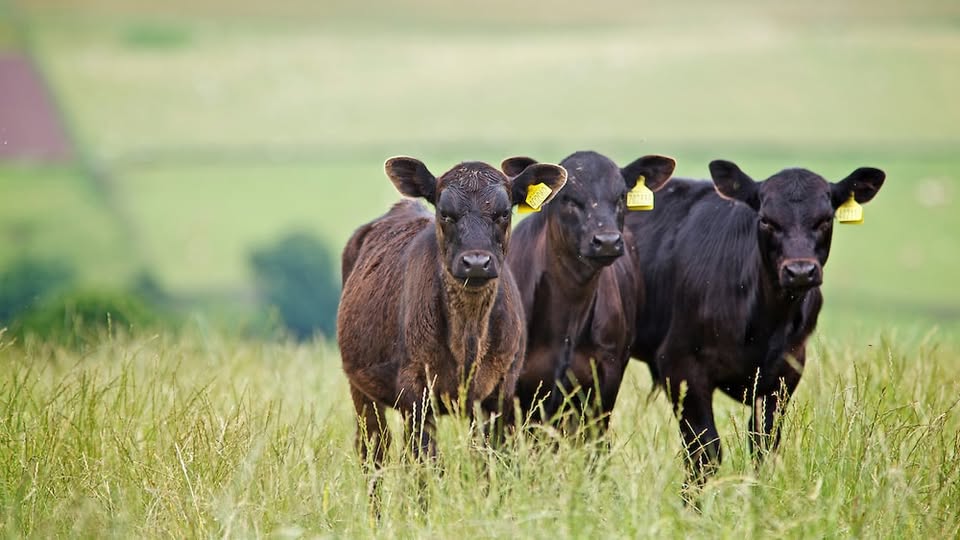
[579, 293]
[410, 331]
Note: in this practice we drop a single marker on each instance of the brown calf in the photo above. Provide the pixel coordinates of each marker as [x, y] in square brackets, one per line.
[429, 309]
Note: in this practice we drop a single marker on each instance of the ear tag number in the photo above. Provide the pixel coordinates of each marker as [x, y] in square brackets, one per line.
[536, 194]
[850, 212]
[640, 197]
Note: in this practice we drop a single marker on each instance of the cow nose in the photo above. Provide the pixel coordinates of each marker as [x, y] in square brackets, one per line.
[476, 261]
[476, 265]
[607, 244]
[607, 239]
[801, 274]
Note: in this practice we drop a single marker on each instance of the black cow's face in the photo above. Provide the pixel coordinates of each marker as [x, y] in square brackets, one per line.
[588, 214]
[473, 211]
[795, 210]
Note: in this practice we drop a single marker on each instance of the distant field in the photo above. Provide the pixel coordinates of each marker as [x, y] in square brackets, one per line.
[55, 212]
[219, 133]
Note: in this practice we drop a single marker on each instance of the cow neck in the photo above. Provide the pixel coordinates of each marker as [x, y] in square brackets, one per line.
[467, 312]
[571, 270]
[577, 280]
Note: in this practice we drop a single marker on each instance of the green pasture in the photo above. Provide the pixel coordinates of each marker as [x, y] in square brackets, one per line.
[200, 436]
[219, 133]
[208, 128]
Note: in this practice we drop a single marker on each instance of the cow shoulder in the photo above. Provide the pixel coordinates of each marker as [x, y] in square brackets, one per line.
[716, 264]
[421, 314]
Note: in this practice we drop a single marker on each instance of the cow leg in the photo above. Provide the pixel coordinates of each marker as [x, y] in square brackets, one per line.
[601, 375]
[498, 410]
[769, 403]
[420, 428]
[693, 405]
[561, 375]
[373, 436]
[610, 378]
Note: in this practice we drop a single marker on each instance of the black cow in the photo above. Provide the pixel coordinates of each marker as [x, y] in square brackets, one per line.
[577, 287]
[733, 272]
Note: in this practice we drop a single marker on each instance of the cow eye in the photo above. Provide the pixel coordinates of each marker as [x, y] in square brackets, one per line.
[447, 218]
[824, 224]
[502, 216]
[768, 225]
[570, 201]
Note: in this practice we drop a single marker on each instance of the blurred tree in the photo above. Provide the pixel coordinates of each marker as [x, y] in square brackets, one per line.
[81, 317]
[297, 277]
[146, 286]
[29, 281]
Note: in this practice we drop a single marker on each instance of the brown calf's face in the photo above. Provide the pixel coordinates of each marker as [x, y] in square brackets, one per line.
[795, 210]
[589, 212]
[473, 204]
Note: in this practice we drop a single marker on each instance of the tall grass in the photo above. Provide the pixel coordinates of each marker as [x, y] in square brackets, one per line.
[157, 436]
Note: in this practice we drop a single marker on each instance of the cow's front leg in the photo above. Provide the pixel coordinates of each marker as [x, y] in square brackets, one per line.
[692, 398]
[420, 426]
[415, 403]
[600, 375]
[558, 394]
[771, 399]
[498, 417]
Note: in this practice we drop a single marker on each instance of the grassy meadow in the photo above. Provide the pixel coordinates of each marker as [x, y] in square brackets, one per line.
[200, 436]
[207, 128]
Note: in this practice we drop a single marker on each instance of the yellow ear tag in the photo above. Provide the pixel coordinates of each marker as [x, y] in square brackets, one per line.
[640, 197]
[524, 208]
[850, 212]
[536, 194]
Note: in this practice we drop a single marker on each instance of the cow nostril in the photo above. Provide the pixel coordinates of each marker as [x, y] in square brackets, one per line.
[802, 269]
[476, 261]
[606, 239]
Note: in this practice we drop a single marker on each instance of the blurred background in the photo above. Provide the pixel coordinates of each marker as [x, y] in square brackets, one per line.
[205, 160]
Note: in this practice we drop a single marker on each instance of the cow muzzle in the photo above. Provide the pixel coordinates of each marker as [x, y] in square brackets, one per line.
[475, 267]
[605, 247]
[798, 274]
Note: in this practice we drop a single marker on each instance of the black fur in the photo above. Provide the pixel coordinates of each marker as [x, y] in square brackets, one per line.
[732, 271]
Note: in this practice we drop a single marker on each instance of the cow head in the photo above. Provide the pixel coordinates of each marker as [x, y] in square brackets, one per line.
[795, 210]
[473, 204]
[588, 214]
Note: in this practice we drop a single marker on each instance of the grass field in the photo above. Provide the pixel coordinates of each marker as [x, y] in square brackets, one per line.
[217, 126]
[205, 437]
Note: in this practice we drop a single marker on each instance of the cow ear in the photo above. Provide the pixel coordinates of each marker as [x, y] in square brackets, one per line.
[553, 176]
[732, 183]
[655, 170]
[515, 165]
[412, 178]
[864, 183]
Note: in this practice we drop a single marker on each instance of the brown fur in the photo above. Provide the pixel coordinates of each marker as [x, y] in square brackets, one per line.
[410, 333]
